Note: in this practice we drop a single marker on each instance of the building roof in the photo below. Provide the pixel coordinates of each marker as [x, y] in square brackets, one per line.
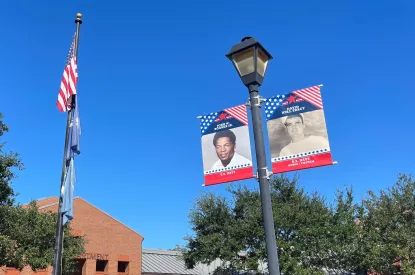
[46, 203]
[165, 262]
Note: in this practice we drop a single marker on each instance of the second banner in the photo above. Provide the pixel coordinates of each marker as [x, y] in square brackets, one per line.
[297, 131]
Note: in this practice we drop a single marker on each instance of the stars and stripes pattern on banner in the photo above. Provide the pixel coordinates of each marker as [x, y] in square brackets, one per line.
[69, 80]
[239, 112]
[206, 120]
[312, 95]
[272, 103]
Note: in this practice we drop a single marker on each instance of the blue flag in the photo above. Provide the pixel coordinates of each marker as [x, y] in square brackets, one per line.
[67, 192]
[74, 131]
[72, 150]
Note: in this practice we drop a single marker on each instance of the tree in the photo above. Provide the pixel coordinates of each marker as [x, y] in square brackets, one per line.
[312, 235]
[232, 230]
[301, 222]
[27, 236]
[177, 248]
[8, 161]
[213, 223]
[391, 215]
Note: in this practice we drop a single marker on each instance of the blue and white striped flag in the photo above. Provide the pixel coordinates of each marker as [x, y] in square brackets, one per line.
[67, 192]
[72, 150]
[74, 147]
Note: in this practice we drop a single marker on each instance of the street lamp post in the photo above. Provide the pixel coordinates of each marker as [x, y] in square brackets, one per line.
[250, 59]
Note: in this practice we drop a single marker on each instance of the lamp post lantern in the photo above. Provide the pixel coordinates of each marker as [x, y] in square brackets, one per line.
[250, 59]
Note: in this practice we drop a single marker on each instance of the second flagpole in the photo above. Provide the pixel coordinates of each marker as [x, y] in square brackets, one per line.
[57, 257]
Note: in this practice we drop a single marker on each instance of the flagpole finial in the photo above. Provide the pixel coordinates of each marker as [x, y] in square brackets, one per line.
[78, 18]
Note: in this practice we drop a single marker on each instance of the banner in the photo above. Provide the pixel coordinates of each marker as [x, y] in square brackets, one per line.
[226, 148]
[297, 131]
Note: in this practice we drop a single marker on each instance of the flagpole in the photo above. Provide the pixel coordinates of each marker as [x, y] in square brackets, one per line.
[57, 257]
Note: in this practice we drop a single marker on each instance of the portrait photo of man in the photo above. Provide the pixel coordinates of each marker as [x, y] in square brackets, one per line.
[224, 143]
[300, 142]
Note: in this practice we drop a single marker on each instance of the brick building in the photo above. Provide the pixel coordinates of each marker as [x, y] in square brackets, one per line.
[112, 248]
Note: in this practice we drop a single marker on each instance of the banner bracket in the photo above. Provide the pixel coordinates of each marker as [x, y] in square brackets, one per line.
[259, 100]
[267, 173]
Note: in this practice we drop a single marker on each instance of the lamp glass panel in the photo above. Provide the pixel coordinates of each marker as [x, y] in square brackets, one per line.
[262, 62]
[244, 61]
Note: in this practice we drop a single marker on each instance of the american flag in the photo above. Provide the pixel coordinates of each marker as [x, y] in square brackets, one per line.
[272, 104]
[239, 112]
[69, 80]
[312, 95]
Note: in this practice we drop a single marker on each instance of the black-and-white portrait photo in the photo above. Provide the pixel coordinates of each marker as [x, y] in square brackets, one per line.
[299, 133]
[229, 148]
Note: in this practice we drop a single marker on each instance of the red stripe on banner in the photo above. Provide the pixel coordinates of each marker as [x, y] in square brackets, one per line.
[312, 95]
[302, 163]
[239, 112]
[228, 176]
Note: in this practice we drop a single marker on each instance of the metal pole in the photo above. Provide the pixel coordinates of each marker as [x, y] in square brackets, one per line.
[263, 178]
[57, 256]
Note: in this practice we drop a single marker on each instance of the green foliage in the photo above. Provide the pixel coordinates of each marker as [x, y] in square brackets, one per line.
[391, 216]
[311, 234]
[177, 248]
[224, 228]
[8, 161]
[300, 222]
[27, 236]
[212, 220]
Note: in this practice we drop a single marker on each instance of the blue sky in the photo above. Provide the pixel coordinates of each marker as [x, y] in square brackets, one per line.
[147, 69]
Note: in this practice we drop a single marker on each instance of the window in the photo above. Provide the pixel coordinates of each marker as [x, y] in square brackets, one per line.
[122, 267]
[101, 266]
[79, 267]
